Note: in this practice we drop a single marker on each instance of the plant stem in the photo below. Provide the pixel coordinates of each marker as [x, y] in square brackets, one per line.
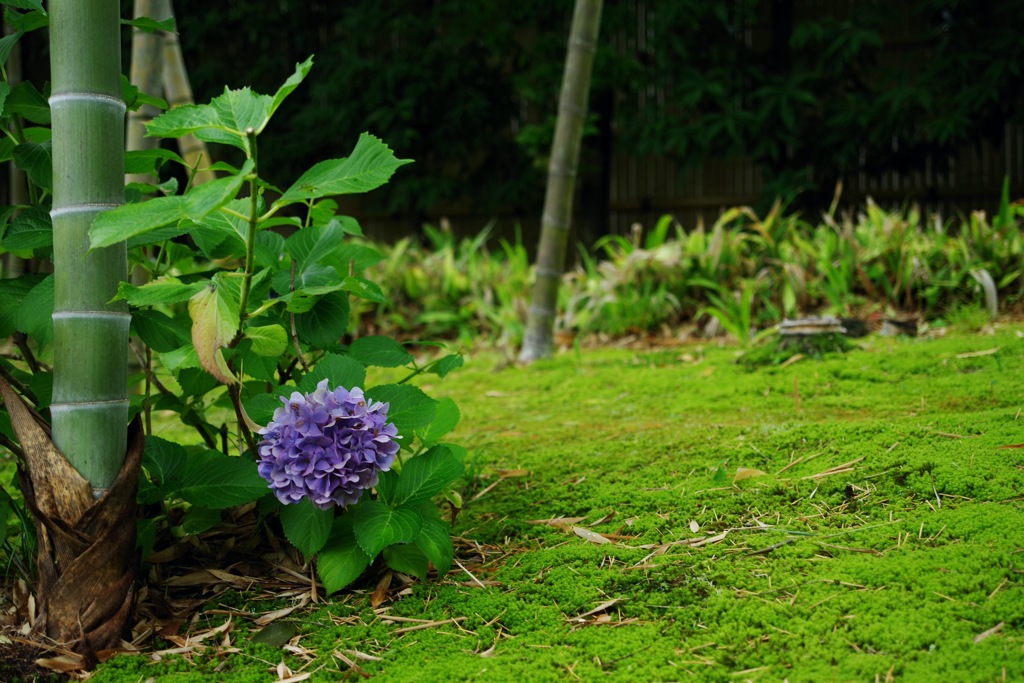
[250, 242]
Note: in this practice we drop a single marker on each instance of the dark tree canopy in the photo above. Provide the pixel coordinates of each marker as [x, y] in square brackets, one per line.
[468, 87]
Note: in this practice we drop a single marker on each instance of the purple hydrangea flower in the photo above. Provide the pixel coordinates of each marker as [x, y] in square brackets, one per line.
[327, 446]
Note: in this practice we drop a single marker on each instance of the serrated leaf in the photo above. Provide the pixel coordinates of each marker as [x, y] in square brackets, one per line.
[446, 418]
[12, 292]
[36, 159]
[218, 481]
[130, 220]
[306, 526]
[340, 371]
[261, 407]
[324, 323]
[213, 327]
[446, 364]
[377, 526]
[178, 359]
[364, 289]
[159, 331]
[27, 102]
[379, 351]
[30, 229]
[267, 340]
[208, 197]
[164, 460]
[258, 367]
[408, 559]
[309, 246]
[27, 21]
[152, 25]
[149, 160]
[341, 560]
[26, 4]
[6, 45]
[410, 409]
[421, 477]
[358, 256]
[436, 543]
[301, 71]
[371, 164]
[164, 290]
[198, 519]
[35, 315]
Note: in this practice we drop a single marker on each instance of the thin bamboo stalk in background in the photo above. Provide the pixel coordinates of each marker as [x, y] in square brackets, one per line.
[565, 156]
[146, 74]
[178, 92]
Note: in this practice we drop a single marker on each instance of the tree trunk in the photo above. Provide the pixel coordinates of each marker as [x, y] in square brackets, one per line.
[178, 92]
[80, 486]
[565, 155]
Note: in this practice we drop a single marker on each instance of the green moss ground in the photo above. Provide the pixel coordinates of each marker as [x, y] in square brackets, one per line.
[887, 569]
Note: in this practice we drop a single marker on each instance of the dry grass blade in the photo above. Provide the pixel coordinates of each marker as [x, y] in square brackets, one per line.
[990, 632]
[351, 664]
[600, 608]
[838, 469]
[429, 624]
[557, 521]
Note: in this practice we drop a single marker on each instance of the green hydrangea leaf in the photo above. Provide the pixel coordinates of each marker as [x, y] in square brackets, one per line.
[301, 71]
[421, 477]
[371, 164]
[408, 559]
[36, 159]
[30, 229]
[341, 560]
[435, 542]
[217, 481]
[378, 351]
[446, 418]
[377, 526]
[306, 526]
[35, 315]
[324, 323]
[410, 408]
[339, 370]
[267, 340]
[164, 290]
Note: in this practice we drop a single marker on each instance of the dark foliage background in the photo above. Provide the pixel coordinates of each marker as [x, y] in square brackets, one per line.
[468, 88]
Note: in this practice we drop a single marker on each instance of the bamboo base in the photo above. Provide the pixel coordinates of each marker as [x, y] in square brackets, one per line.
[86, 560]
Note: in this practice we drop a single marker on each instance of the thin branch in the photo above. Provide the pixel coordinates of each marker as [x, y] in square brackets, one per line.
[21, 341]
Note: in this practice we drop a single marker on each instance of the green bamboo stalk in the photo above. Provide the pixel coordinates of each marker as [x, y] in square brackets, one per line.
[90, 400]
[565, 156]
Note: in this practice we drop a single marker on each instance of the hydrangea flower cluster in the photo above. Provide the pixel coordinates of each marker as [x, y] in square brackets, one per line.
[328, 446]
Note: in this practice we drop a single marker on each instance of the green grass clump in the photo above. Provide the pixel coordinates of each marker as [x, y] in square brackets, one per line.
[876, 530]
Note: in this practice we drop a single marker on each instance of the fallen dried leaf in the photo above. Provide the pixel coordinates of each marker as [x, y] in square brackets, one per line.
[276, 634]
[380, 593]
[588, 535]
[746, 473]
[62, 663]
[557, 521]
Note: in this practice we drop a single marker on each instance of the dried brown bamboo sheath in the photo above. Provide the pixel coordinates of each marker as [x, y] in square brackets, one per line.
[86, 559]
